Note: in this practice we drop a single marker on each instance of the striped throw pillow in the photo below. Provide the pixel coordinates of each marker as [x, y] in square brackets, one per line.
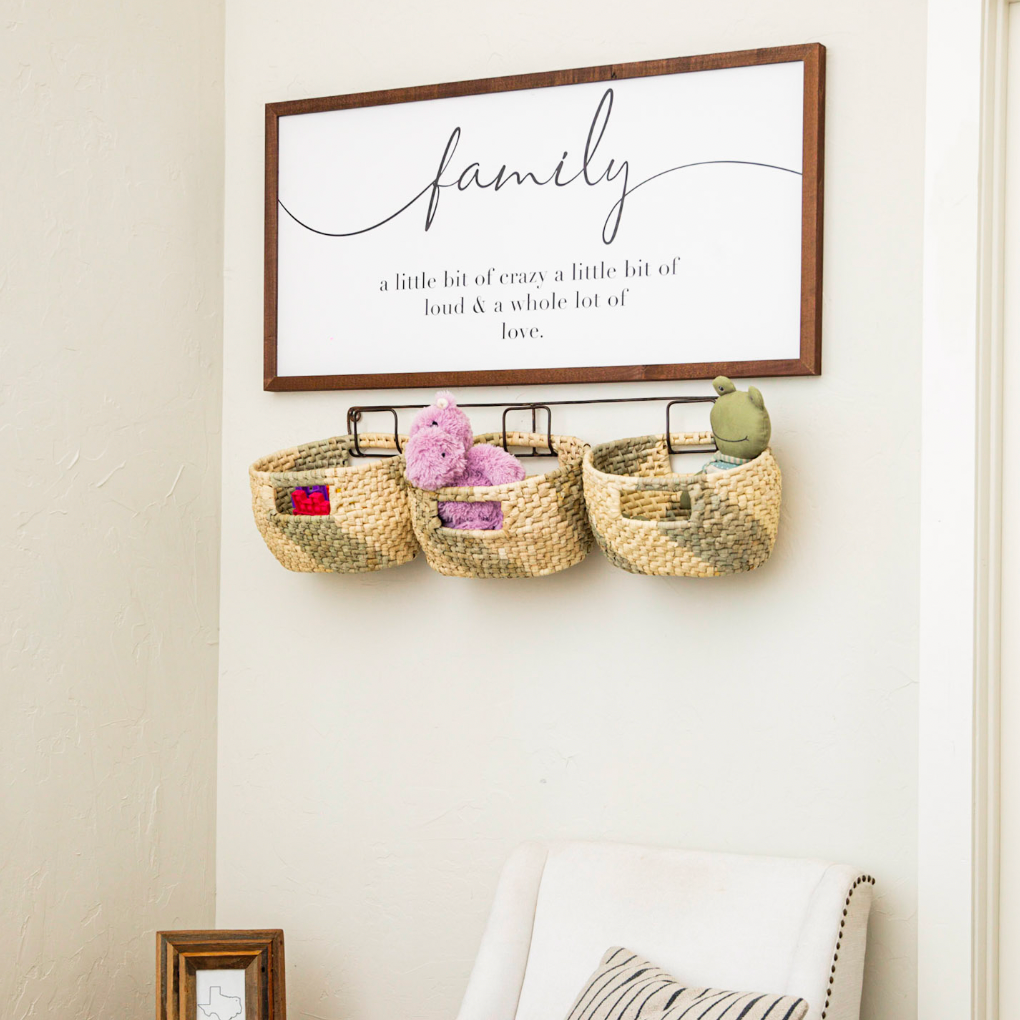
[626, 987]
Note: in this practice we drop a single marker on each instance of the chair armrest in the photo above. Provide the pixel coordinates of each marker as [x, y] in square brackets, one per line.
[494, 988]
[843, 1001]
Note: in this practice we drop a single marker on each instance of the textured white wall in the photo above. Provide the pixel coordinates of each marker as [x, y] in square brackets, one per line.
[386, 739]
[110, 370]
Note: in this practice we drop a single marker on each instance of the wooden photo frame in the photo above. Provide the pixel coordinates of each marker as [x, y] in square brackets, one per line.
[248, 966]
[391, 261]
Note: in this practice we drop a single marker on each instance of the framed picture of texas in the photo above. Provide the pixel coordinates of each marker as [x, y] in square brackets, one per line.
[653, 220]
[220, 975]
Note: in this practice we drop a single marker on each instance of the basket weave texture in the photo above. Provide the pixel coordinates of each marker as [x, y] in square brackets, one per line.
[369, 524]
[545, 526]
[634, 505]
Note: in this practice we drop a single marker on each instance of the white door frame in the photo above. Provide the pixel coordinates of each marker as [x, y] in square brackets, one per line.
[958, 833]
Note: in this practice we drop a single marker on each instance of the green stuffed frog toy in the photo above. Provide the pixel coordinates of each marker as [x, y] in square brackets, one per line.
[740, 427]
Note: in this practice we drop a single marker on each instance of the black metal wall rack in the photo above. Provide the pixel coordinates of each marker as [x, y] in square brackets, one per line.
[356, 414]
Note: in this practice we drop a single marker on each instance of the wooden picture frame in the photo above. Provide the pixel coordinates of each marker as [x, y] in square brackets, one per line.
[181, 956]
[806, 362]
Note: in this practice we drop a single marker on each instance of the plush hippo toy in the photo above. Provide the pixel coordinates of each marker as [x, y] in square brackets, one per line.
[440, 452]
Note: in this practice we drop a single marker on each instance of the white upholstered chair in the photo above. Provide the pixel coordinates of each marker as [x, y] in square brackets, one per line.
[761, 924]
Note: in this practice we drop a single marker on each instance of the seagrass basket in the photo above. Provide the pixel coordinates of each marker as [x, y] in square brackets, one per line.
[636, 512]
[368, 526]
[545, 526]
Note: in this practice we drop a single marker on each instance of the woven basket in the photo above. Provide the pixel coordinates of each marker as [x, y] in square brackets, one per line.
[545, 527]
[634, 505]
[368, 527]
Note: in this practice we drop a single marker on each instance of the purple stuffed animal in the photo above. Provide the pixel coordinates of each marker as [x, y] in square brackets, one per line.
[440, 452]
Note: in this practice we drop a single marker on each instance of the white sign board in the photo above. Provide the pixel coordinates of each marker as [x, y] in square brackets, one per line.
[646, 221]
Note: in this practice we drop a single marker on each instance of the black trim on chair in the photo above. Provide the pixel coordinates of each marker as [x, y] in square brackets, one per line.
[839, 939]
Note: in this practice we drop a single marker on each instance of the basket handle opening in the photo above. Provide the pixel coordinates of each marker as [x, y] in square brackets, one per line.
[436, 521]
[271, 498]
[674, 491]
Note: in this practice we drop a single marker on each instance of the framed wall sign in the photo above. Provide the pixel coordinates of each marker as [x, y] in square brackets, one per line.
[656, 220]
[220, 975]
